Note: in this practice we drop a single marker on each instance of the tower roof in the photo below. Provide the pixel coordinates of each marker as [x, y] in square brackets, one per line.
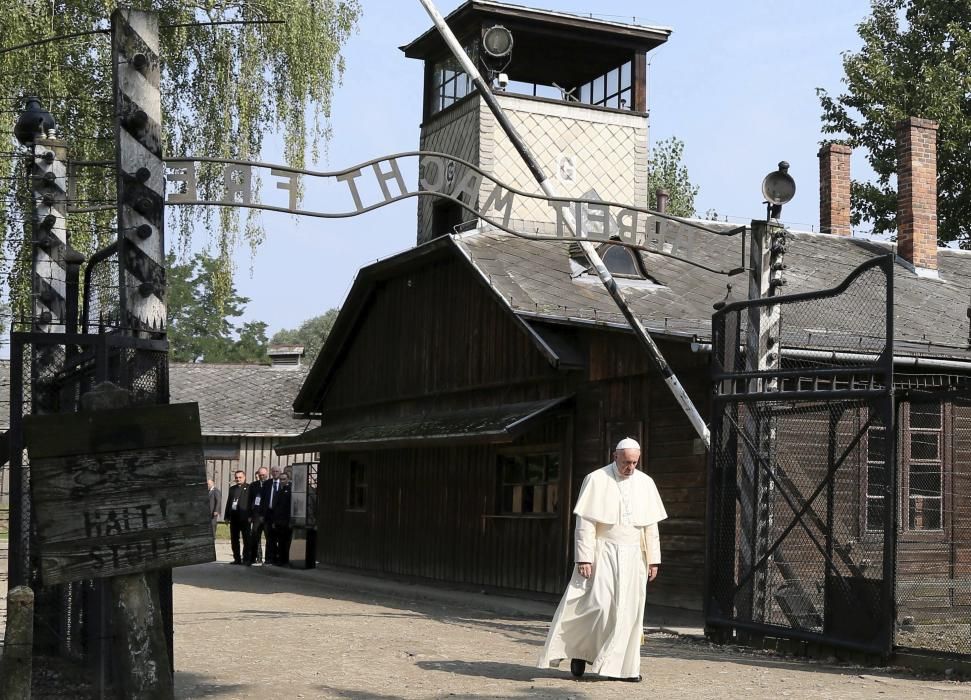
[546, 42]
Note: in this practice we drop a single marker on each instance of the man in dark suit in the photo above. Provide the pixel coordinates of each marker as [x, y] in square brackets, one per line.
[273, 488]
[280, 522]
[259, 503]
[237, 514]
[215, 496]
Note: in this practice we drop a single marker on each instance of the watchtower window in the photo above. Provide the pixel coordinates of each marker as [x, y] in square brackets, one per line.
[550, 92]
[449, 83]
[621, 261]
[612, 89]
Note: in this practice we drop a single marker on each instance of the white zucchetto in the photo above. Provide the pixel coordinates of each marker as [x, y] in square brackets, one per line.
[628, 444]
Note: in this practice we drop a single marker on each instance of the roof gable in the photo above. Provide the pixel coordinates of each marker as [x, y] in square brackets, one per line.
[389, 318]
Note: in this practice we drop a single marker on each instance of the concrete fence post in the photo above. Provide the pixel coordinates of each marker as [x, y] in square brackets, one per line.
[16, 664]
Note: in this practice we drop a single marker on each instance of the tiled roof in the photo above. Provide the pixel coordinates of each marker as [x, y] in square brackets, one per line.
[240, 399]
[536, 280]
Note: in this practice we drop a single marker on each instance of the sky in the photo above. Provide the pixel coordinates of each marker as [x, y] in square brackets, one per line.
[736, 82]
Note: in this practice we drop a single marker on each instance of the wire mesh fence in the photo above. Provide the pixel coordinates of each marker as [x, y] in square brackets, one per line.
[802, 515]
[801, 537]
[933, 585]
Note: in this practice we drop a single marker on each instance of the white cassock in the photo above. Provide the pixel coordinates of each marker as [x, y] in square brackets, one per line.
[600, 619]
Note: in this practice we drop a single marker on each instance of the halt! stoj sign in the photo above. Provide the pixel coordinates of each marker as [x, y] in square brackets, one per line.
[118, 491]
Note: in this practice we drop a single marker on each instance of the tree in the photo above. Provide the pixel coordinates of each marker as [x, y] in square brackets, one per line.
[252, 343]
[915, 61]
[223, 88]
[668, 172]
[200, 328]
[311, 334]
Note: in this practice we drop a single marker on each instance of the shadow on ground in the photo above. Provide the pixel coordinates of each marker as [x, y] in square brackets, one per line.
[194, 685]
[524, 693]
[491, 669]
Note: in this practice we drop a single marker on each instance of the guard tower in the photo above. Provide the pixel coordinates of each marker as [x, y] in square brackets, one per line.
[574, 87]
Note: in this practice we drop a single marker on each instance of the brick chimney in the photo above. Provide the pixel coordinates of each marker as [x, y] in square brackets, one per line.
[834, 189]
[917, 192]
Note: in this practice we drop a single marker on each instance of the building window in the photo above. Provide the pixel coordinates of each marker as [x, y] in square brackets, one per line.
[449, 83]
[529, 483]
[621, 261]
[357, 486]
[924, 462]
[876, 478]
[612, 89]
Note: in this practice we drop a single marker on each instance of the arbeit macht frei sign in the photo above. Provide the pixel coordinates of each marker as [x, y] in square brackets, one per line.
[376, 183]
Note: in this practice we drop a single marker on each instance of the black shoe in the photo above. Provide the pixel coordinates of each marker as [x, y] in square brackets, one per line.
[629, 679]
[577, 667]
[236, 561]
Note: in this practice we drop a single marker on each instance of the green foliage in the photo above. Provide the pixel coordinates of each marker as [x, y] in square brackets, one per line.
[200, 328]
[311, 334]
[223, 89]
[915, 61]
[668, 172]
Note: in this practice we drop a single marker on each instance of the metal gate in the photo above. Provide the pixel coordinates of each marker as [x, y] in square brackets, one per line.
[801, 525]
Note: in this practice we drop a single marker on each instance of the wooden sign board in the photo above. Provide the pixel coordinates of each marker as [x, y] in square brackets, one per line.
[118, 491]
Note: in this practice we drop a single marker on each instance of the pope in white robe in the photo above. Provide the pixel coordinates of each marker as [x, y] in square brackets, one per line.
[599, 622]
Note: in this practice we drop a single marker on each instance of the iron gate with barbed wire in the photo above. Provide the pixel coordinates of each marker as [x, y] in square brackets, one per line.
[801, 520]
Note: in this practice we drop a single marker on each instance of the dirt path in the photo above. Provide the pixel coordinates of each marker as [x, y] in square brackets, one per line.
[263, 633]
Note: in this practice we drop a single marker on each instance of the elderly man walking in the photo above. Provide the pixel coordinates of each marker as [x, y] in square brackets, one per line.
[600, 618]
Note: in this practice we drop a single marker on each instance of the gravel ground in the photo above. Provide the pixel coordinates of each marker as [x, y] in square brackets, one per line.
[262, 632]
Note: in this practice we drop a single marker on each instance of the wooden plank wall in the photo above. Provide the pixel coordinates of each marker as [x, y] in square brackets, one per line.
[403, 360]
[624, 389]
[431, 514]
[404, 351]
[678, 463]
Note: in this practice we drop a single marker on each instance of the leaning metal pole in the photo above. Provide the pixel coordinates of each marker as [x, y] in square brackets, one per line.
[548, 188]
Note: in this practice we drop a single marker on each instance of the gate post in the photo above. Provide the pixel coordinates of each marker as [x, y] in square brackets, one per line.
[141, 185]
[761, 353]
[136, 58]
[51, 258]
[17, 662]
